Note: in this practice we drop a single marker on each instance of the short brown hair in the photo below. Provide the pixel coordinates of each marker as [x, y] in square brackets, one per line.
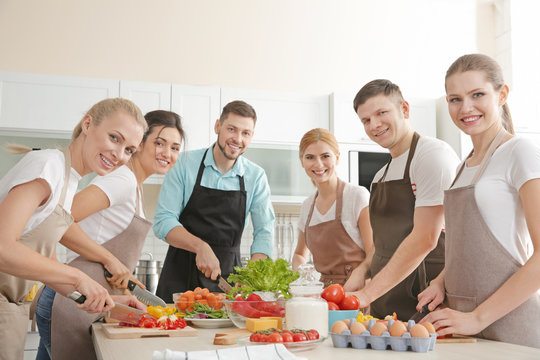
[375, 88]
[240, 108]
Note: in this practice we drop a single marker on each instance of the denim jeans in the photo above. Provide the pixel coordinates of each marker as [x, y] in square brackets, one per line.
[43, 320]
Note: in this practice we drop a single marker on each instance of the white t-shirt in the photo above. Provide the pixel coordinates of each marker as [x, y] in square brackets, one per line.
[48, 165]
[355, 198]
[120, 186]
[432, 170]
[513, 164]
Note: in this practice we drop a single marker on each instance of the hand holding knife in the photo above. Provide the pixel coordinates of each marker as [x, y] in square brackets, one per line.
[143, 295]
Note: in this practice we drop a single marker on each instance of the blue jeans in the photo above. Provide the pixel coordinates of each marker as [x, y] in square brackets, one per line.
[43, 321]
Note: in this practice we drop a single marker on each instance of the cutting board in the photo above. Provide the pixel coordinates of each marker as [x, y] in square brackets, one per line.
[457, 339]
[113, 331]
[229, 337]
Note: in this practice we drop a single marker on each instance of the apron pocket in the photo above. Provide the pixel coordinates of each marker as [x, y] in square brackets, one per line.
[461, 303]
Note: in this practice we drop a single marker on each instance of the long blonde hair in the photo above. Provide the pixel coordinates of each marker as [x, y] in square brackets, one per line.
[97, 113]
[493, 73]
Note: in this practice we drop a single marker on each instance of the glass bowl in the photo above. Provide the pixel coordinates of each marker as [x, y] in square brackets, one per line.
[239, 311]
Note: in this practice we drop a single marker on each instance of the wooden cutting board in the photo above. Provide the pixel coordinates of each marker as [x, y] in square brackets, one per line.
[457, 339]
[113, 331]
[229, 337]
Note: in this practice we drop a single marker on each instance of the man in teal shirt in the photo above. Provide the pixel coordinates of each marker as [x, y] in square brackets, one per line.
[204, 204]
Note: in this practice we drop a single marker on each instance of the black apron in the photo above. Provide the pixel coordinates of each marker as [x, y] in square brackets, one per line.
[215, 216]
[391, 211]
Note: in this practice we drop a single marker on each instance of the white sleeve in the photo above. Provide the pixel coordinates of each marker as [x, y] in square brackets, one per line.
[359, 196]
[432, 172]
[304, 211]
[119, 186]
[525, 164]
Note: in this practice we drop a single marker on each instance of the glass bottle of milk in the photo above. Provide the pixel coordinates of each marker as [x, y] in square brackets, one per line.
[307, 310]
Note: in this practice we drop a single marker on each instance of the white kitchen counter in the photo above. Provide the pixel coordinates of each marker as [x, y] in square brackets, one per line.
[142, 348]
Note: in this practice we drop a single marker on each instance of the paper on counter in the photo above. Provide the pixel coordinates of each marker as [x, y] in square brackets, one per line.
[259, 352]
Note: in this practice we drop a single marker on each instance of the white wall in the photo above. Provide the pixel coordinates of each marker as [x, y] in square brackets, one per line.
[310, 46]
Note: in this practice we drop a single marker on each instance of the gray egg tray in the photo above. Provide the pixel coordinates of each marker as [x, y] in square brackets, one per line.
[385, 341]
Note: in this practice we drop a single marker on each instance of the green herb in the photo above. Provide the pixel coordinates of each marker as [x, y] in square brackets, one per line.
[263, 275]
[203, 308]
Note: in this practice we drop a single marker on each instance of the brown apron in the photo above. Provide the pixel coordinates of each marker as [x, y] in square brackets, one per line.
[335, 254]
[13, 290]
[70, 326]
[391, 210]
[477, 264]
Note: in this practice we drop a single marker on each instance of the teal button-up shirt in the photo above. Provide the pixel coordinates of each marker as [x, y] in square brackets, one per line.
[179, 183]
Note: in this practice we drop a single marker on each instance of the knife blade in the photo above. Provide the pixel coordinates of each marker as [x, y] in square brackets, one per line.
[420, 315]
[126, 314]
[223, 284]
[143, 295]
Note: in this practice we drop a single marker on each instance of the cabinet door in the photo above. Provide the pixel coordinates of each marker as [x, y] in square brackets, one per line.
[282, 118]
[48, 105]
[147, 96]
[199, 108]
[344, 121]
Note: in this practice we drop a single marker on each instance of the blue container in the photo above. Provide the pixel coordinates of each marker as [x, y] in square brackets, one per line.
[335, 315]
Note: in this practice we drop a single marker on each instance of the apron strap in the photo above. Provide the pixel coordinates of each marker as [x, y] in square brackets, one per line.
[339, 198]
[67, 156]
[201, 169]
[412, 149]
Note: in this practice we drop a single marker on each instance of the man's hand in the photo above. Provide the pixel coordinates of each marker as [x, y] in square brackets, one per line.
[129, 300]
[207, 262]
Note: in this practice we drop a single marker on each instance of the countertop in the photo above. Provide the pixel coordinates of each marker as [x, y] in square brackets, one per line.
[142, 348]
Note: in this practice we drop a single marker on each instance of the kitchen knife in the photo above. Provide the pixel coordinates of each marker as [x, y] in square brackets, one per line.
[119, 312]
[223, 284]
[143, 295]
[420, 315]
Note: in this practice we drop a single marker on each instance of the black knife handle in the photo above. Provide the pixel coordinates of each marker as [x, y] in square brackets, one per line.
[77, 296]
[131, 284]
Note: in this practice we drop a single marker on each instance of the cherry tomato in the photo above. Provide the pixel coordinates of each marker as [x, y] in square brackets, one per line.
[299, 337]
[350, 303]
[315, 332]
[275, 338]
[287, 337]
[333, 306]
[334, 293]
[311, 336]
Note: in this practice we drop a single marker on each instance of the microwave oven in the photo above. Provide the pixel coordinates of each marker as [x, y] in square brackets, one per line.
[363, 165]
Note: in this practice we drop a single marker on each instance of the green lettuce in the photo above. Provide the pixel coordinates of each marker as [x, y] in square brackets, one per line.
[263, 275]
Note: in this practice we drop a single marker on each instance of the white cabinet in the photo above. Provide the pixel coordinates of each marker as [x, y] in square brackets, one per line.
[48, 105]
[282, 118]
[199, 108]
[147, 96]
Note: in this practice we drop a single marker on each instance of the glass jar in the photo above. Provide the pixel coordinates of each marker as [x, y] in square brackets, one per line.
[307, 310]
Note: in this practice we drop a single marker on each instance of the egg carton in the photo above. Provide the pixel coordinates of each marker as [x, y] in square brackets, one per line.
[385, 341]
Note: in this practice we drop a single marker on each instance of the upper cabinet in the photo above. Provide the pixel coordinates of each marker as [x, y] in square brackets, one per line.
[282, 118]
[148, 96]
[48, 105]
[199, 107]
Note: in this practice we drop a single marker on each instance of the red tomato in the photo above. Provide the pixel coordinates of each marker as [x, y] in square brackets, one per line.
[350, 303]
[287, 337]
[275, 338]
[315, 332]
[299, 337]
[334, 293]
[333, 306]
[311, 336]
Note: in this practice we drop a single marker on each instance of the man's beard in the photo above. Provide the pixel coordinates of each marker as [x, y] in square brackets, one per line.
[227, 156]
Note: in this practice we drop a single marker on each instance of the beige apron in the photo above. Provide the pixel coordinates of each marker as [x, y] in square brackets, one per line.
[477, 264]
[391, 210]
[335, 254]
[70, 326]
[13, 290]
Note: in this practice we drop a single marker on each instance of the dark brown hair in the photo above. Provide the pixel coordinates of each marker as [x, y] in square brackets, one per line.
[377, 87]
[493, 73]
[240, 108]
[167, 119]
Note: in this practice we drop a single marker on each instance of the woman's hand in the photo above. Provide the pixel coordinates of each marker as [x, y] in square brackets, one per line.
[129, 300]
[448, 321]
[120, 274]
[97, 298]
[357, 280]
[433, 296]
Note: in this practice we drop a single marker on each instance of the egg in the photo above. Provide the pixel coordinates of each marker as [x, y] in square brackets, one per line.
[366, 324]
[419, 331]
[378, 329]
[429, 327]
[348, 322]
[357, 328]
[397, 328]
[338, 327]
